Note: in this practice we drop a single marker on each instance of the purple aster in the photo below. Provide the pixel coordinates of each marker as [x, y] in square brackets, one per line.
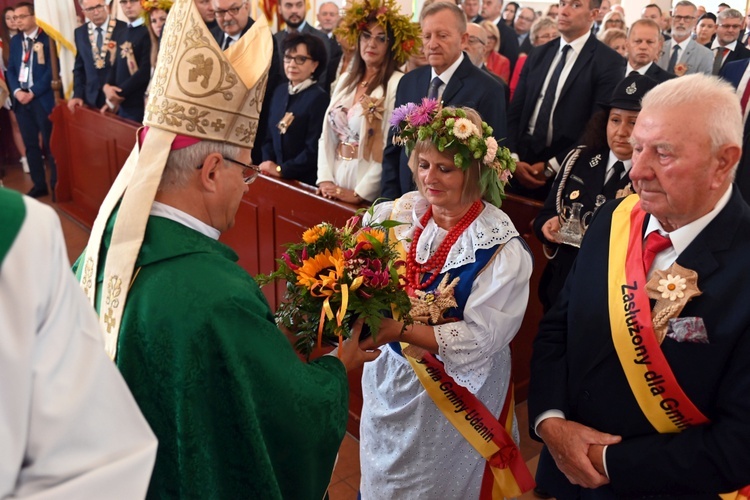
[401, 113]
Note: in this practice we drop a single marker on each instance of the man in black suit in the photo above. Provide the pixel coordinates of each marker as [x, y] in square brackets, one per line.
[471, 9]
[726, 45]
[525, 17]
[293, 13]
[131, 71]
[95, 52]
[653, 12]
[643, 49]
[233, 20]
[30, 84]
[637, 403]
[561, 85]
[493, 10]
[451, 78]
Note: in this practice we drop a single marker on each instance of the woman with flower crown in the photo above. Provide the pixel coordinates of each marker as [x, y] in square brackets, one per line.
[467, 273]
[350, 151]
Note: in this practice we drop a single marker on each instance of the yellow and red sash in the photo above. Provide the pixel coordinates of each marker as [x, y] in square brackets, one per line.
[654, 385]
[490, 437]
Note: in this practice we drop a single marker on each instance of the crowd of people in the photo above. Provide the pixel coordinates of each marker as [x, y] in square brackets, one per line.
[630, 134]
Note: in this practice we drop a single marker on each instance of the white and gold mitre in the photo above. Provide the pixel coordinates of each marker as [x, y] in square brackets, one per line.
[197, 91]
[201, 92]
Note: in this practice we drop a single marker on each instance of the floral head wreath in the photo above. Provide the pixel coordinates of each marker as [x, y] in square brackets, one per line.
[449, 128]
[407, 36]
[149, 5]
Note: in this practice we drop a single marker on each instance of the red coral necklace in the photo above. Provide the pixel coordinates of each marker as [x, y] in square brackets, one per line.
[435, 263]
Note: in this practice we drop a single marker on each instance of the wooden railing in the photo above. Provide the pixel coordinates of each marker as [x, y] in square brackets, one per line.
[90, 148]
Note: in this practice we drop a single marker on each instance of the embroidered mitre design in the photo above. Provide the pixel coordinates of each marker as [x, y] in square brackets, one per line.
[200, 91]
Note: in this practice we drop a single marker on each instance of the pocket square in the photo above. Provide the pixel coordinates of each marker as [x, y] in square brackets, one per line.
[691, 330]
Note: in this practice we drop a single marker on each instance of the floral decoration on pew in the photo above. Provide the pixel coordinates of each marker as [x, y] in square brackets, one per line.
[336, 275]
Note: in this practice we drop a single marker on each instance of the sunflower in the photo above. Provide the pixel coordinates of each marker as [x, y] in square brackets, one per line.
[314, 233]
[321, 272]
[378, 234]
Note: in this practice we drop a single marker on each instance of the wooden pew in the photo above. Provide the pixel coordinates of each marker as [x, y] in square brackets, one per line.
[90, 148]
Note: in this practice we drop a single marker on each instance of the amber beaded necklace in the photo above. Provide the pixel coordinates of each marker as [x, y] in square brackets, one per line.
[435, 263]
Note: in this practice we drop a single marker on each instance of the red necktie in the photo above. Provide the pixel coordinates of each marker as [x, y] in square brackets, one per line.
[655, 244]
[745, 98]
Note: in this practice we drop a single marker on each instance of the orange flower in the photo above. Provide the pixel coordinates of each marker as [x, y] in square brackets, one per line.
[314, 233]
[375, 233]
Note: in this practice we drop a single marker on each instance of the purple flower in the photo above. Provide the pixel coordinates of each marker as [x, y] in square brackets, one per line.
[401, 113]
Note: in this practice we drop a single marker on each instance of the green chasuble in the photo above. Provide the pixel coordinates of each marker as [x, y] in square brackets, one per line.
[237, 414]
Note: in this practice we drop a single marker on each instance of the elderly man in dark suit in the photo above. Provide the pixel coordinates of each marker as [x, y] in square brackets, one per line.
[450, 77]
[562, 83]
[30, 84]
[634, 402]
[95, 52]
[643, 49]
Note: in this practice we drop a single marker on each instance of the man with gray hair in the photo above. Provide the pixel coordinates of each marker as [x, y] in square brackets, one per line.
[634, 401]
[192, 334]
[726, 45]
[682, 55]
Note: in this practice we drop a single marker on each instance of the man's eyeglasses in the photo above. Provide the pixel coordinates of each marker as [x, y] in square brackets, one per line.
[125, 2]
[20, 17]
[249, 172]
[474, 40]
[686, 19]
[94, 8]
[232, 11]
[366, 36]
[527, 19]
[298, 60]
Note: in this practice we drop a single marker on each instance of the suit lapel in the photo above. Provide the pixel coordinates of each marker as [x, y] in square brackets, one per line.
[584, 58]
[699, 256]
[456, 81]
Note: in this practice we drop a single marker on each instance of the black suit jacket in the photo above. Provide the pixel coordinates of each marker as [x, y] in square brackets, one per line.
[657, 73]
[585, 182]
[296, 151]
[508, 43]
[525, 47]
[739, 53]
[733, 73]
[279, 38]
[590, 83]
[88, 81]
[133, 86]
[469, 86]
[574, 368]
[273, 82]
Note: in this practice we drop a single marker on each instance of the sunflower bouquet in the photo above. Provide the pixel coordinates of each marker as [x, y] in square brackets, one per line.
[336, 275]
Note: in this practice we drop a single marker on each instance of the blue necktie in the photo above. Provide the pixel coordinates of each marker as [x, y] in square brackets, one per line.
[432, 92]
[541, 127]
[673, 59]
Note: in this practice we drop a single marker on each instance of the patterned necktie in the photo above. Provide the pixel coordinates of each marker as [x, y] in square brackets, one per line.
[432, 92]
[610, 187]
[673, 59]
[541, 127]
[719, 59]
[27, 62]
[655, 244]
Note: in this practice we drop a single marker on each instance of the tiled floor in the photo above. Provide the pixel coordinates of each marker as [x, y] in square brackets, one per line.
[346, 474]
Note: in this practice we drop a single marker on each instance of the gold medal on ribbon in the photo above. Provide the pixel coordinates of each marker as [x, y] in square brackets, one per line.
[283, 125]
[39, 50]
